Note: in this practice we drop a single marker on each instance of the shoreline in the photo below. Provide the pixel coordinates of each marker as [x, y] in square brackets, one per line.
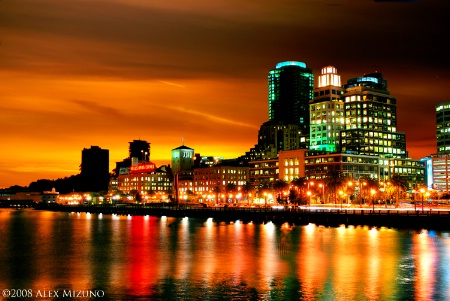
[438, 220]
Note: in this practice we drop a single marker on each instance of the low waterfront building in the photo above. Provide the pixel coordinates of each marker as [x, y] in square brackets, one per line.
[50, 197]
[440, 164]
[213, 180]
[263, 172]
[145, 179]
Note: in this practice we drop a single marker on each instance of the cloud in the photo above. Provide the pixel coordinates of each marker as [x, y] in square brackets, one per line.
[95, 108]
[214, 118]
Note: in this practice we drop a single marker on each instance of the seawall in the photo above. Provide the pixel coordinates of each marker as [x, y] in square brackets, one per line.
[333, 217]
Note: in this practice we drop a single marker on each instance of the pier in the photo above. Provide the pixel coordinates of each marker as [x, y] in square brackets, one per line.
[431, 219]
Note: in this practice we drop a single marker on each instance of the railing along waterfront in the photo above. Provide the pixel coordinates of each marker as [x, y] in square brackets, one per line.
[392, 218]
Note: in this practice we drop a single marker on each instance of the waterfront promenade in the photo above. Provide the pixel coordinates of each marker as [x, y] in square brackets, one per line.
[410, 218]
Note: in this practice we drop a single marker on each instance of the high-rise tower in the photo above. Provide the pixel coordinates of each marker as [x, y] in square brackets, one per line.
[139, 149]
[327, 111]
[371, 119]
[443, 127]
[94, 169]
[291, 87]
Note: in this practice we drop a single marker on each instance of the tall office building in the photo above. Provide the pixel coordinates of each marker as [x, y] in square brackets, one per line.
[281, 136]
[291, 87]
[440, 162]
[94, 169]
[327, 111]
[443, 127]
[371, 119]
[140, 149]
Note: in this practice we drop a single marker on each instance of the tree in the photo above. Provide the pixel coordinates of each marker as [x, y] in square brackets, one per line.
[216, 190]
[367, 185]
[400, 184]
[136, 195]
[334, 180]
[247, 188]
[230, 188]
[279, 186]
[299, 184]
[264, 189]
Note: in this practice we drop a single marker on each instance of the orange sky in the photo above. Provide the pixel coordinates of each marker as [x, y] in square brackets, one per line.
[77, 73]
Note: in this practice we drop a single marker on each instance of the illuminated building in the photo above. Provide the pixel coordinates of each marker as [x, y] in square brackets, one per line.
[440, 162]
[50, 197]
[94, 169]
[327, 111]
[291, 87]
[202, 161]
[138, 150]
[440, 169]
[281, 136]
[147, 180]
[371, 119]
[263, 172]
[291, 164]
[182, 158]
[443, 127]
[208, 180]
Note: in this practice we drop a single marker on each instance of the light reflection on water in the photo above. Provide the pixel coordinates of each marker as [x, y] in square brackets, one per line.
[146, 257]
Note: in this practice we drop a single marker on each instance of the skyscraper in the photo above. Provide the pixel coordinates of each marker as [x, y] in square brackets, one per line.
[291, 87]
[327, 111]
[371, 119]
[140, 149]
[94, 169]
[443, 127]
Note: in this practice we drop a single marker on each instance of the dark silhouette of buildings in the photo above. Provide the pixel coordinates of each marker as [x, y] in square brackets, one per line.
[94, 169]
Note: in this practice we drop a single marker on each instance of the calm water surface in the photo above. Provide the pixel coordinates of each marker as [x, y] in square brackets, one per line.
[152, 258]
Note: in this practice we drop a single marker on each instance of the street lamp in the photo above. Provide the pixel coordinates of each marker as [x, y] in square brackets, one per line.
[373, 192]
[349, 184]
[309, 197]
[323, 192]
[341, 193]
[422, 191]
[361, 192]
[144, 156]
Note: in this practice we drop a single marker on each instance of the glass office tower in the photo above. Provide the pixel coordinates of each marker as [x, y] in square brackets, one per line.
[327, 111]
[371, 119]
[291, 87]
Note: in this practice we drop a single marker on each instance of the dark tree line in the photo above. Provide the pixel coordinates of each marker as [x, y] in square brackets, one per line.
[65, 185]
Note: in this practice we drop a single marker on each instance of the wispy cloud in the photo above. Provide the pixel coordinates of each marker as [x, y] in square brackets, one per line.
[214, 118]
[96, 108]
[171, 84]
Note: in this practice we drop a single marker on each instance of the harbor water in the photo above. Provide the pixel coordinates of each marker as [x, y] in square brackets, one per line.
[115, 257]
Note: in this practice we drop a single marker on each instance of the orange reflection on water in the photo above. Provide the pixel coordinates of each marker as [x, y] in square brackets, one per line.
[312, 258]
[424, 254]
[267, 261]
[353, 262]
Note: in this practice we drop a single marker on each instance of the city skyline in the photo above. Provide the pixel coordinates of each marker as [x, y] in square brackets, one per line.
[105, 73]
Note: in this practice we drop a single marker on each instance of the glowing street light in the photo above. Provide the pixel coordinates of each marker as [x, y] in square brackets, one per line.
[373, 192]
[322, 186]
[424, 193]
[309, 197]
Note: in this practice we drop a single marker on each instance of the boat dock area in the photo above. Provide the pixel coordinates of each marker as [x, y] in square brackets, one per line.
[431, 219]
